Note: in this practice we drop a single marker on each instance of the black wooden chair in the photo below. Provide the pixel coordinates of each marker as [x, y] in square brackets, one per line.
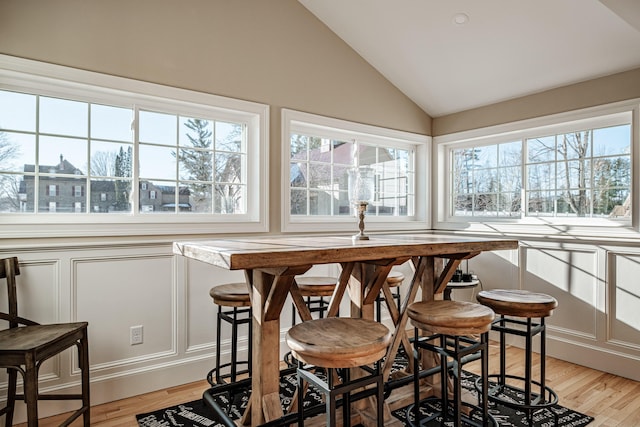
[24, 348]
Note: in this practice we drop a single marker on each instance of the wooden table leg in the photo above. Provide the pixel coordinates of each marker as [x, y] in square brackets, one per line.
[265, 380]
[270, 288]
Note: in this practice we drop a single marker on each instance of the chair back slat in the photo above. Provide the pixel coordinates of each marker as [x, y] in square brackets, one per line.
[9, 269]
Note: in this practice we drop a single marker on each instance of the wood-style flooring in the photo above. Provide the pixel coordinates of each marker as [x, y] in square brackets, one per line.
[611, 400]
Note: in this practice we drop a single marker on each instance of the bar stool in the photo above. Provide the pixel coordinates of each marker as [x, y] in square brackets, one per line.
[234, 307]
[394, 280]
[523, 307]
[452, 325]
[336, 343]
[315, 290]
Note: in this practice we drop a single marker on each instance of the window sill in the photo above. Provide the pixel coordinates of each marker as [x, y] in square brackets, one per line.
[537, 229]
[65, 226]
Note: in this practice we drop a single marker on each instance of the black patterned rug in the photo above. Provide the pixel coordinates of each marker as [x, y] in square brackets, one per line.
[199, 413]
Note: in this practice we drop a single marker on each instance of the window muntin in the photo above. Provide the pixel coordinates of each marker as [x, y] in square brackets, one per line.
[583, 170]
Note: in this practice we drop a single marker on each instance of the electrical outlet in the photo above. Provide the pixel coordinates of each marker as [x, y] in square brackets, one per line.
[135, 335]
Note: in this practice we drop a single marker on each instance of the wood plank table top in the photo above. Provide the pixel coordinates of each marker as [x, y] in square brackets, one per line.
[284, 251]
[272, 262]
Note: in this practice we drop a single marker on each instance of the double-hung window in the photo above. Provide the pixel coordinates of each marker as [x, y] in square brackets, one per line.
[133, 152]
[319, 152]
[575, 170]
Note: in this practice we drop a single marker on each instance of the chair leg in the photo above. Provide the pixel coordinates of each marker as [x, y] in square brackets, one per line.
[11, 396]
[31, 391]
[83, 360]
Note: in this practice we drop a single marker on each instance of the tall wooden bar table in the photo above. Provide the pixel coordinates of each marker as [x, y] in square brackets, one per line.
[271, 263]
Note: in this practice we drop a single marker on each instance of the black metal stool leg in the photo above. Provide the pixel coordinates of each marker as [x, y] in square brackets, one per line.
[416, 380]
[218, 341]
[346, 401]
[484, 338]
[300, 397]
[527, 370]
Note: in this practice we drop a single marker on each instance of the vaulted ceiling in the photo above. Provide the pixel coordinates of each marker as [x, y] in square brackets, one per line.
[454, 55]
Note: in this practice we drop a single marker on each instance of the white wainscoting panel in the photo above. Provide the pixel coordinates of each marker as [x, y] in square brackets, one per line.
[570, 275]
[624, 300]
[117, 292]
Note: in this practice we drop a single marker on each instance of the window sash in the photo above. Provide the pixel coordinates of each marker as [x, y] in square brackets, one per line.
[624, 113]
[343, 135]
[61, 82]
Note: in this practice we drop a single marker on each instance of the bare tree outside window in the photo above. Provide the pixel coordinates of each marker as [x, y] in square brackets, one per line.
[487, 180]
[582, 174]
[9, 184]
[103, 163]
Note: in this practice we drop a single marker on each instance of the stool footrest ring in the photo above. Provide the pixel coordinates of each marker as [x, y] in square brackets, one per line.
[467, 419]
[497, 393]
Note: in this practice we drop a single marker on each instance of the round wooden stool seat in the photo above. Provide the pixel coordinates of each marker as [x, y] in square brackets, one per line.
[339, 342]
[517, 302]
[231, 295]
[395, 278]
[451, 317]
[316, 286]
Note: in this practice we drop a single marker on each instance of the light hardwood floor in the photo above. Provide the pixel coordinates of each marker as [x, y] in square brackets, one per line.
[612, 400]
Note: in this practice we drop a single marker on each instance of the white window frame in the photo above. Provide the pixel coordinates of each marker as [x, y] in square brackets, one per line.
[293, 121]
[600, 116]
[51, 80]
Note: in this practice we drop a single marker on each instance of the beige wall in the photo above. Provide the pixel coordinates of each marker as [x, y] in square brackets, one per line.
[604, 90]
[273, 52]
